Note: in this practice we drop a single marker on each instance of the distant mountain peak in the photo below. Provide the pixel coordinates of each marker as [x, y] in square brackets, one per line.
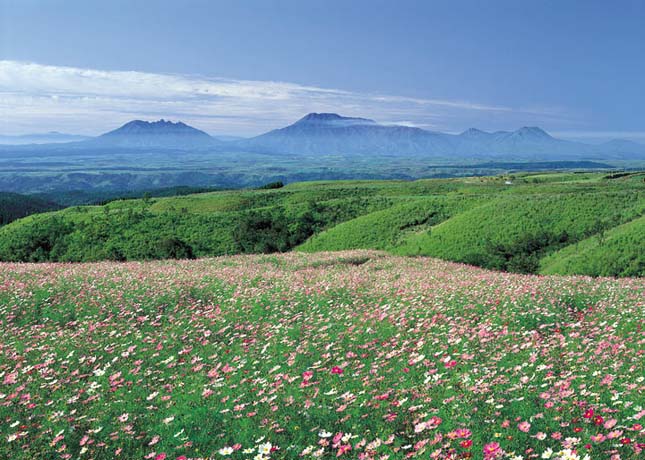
[333, 119]
[532, 131]
[161, 133]
[160, 126]
[473, 132]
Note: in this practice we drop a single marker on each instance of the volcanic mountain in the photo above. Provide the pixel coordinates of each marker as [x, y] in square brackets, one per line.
[160, 134]
[330, 133]
[333, 134]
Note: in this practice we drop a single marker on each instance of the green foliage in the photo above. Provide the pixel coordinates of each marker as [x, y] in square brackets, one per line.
[514, 232]
[385, 229]
[551, 223]
[272, 185]
[14, 206]
[621, 252]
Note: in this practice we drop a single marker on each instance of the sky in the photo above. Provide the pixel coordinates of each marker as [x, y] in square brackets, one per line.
[574, 68]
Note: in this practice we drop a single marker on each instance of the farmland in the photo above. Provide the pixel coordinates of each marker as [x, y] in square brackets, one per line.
[353, 355]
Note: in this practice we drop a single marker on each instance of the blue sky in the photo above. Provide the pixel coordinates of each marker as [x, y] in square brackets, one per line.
[575, 68]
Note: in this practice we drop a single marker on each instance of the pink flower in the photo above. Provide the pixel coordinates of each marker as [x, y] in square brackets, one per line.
[597, 437]
[228, 368]
[10, 379]
[336, 370]
[343, 449]
[434, 422]
[492, 450]
[524, 426]
[161, 456]
[609, 424]
[449, 364]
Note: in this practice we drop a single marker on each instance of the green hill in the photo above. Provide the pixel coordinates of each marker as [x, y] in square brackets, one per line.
[513, 232]
[525, 223]
[619, 251]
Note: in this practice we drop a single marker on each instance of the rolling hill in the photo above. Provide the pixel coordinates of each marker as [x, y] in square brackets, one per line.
[527, 223]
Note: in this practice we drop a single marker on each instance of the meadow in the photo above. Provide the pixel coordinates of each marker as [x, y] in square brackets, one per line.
[352, 355]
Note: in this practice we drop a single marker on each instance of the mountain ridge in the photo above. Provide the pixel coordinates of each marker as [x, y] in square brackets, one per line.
[333, 134]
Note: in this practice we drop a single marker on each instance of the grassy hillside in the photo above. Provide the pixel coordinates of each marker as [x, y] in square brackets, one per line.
[523, 223]
[354, 355]
[513, 232]
[387, 228]
[619, 251]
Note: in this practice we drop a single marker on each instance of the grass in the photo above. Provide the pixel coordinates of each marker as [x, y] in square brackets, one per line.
[527, 226]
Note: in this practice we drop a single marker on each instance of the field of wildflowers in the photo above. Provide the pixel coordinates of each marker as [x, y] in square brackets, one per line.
[351, 355]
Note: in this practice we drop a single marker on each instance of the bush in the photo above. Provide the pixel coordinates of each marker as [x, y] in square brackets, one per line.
[271, 185]
[174, 248]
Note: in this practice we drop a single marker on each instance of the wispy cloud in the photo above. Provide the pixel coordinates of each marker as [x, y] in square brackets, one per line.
[36, 97]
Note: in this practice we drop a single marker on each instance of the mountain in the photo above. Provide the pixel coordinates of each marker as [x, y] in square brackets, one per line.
[526, 143]
[323, 134]
[621, 148]
[52, 137]
[330, 133]
[160, 134]
[333, 134]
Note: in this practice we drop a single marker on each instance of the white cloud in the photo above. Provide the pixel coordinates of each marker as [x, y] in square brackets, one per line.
[35, 97]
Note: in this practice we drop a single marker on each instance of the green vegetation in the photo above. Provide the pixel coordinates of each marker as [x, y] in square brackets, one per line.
[356, 355]
[14, 206]
[619, 251]
[587, 223]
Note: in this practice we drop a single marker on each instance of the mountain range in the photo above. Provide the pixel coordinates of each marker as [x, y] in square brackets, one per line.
[332, 134]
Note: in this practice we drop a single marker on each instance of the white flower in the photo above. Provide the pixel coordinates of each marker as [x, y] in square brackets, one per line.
[265, 448]
[12, 437]
[225, 451]
[547, 453]
[324, 434]
[568, 454]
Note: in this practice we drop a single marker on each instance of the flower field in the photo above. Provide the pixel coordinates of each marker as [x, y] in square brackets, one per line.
[351, 355]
